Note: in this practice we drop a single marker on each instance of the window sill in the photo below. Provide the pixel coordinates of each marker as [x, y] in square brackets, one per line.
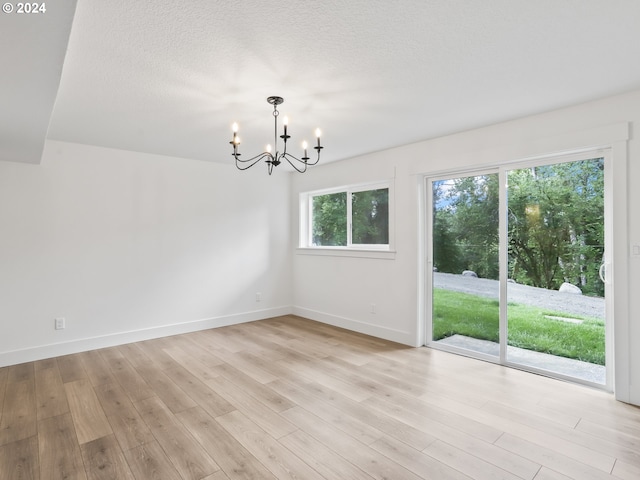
[347, 252]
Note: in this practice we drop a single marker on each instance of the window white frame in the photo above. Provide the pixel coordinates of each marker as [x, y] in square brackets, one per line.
[362, 250]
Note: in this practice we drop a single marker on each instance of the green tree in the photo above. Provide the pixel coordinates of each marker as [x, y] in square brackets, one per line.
[447, 256]
[330, 219]
[370, 217]
[466, 225]
[556, 225]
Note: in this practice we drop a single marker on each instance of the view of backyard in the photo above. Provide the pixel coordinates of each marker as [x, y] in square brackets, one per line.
[530, 327]
[555, 241]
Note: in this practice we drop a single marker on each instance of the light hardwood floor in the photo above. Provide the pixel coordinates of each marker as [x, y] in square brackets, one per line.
[290, 398]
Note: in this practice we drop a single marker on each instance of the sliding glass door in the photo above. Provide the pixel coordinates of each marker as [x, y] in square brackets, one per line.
[556, 253]
[465, 267]
[516, 266]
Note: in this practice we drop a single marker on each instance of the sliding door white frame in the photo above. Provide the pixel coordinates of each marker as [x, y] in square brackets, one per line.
[427, 254]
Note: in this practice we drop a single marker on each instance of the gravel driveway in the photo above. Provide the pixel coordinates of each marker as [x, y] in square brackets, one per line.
[539, 297]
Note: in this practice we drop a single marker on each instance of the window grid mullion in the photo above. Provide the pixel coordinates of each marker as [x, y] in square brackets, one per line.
[349, 219]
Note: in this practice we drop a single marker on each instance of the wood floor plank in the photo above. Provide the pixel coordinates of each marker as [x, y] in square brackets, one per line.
[71, 368]
[19, 413]
[265, 340]
[130, 380]
[59, 450]
[205, 396]
[435, 413]
[273, 400]
[249, 367]
[362, 456]
[565, 419]
[387, 424]
[104, 460]
[170, 393]
[127, 424]
[217, 476]
[315, 372]
[96, 368]
[224, 341]
[19, 460]
[403, 384]
[583, 448]
[188, 457]
[198, 369]
[238, 399]
[626, 471]
[188, 344]
[470, 465]
[592, 405]
[154, 351]
[3, 384]
[625, 435]
[547, 474]
[21, 373]
[416, 461]
[496, 456]
[212, 343]
[434, 428]
[273, 364]
[45, 363]
[324, 460]
[149, 461]
[51, 397]
[234, 459]
[134, 354]
[278, 459]
[551, 458]
[87, 413]
[361, 431]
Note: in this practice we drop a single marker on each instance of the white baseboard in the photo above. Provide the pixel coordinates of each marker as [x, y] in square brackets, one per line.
[82, 345]
[399, 336]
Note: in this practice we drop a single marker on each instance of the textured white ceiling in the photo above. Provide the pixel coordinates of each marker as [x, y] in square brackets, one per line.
[169, 77]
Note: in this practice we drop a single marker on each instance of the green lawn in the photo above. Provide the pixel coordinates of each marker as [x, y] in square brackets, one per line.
[477, 317]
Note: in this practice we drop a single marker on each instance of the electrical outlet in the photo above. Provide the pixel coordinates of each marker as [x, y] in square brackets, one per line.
[373, 308]
[258, 296]
[60, 323]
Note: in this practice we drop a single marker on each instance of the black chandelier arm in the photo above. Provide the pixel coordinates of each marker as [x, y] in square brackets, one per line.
[288, 158]
[250, 162]
[304, 161]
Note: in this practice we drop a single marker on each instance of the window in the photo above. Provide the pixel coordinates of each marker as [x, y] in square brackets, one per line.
[355, 217]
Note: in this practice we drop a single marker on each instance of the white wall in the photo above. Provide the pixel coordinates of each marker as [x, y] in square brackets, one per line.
[128, 246]
[339, 290]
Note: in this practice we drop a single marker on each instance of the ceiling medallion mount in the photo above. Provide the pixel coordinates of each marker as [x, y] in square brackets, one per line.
[275, 100]
[273, 160]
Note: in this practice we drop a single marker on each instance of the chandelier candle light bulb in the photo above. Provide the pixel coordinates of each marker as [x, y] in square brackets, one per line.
[273, 160]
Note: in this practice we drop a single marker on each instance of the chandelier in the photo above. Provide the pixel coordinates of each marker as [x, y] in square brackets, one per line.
[273, 160]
